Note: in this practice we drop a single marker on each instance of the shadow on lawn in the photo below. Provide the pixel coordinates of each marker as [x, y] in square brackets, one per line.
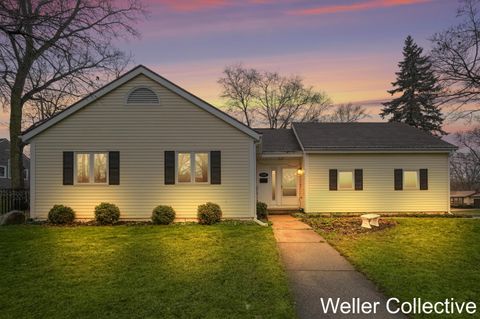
[178, 271]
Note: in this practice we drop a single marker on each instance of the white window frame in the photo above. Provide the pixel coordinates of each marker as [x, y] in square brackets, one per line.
[416, 171]
[5, 175]
[91, 160]
[338, 180]
[192, 168]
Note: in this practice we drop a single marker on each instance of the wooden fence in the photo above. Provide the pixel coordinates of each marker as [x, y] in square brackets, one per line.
[12, 199]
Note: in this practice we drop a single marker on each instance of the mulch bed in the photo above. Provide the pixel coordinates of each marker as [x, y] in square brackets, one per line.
[346, 225]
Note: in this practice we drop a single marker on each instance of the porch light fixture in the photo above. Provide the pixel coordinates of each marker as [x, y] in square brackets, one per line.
[300, 171]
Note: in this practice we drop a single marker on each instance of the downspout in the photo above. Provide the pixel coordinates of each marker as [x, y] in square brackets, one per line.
[259, 143]
[260, 222]
[448, 185]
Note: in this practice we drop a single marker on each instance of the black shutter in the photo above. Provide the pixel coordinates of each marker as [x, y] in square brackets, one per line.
[398, 176]
[114, 168]
[359, 179]
[67, 168]
[169, 167]
[215, 167]
[423, 179]
[333, 179]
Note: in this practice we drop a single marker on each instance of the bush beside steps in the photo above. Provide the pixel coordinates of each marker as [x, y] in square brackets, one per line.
[262, 212]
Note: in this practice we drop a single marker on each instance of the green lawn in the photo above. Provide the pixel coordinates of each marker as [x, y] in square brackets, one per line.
[466, 212]
[431, 258]
[179, 271]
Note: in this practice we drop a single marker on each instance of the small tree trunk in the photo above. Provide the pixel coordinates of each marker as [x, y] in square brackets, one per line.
[16, 144]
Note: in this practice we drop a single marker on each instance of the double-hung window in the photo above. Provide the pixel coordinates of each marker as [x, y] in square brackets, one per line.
[91, 168]
[345, 180]
[192, 167]
[410, 179]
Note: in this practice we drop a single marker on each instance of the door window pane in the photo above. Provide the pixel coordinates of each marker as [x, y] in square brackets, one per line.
[100, 168]
[289, 182]
[274, 183]
[184, 168]
[410, 179]
[83, 168]
[201, 167]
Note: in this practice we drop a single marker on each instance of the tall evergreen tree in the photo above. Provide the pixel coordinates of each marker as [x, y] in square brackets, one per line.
[419, 90]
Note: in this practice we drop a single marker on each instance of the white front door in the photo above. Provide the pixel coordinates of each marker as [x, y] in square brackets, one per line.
[277, 186]
[267, 185]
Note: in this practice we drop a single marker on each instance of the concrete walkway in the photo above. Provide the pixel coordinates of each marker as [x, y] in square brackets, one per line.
[316, 270]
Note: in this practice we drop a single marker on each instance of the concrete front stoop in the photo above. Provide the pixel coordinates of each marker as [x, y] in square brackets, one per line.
[317, 271]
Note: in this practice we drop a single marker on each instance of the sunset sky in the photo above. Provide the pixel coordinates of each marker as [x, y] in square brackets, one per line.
[349, 49]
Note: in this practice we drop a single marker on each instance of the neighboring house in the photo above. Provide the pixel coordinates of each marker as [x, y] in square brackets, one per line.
[465, 198]
[142, 141]
[5, 170]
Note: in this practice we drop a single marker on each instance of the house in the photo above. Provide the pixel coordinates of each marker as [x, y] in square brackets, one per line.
[5, 173]
[465, 199]
[142, 141]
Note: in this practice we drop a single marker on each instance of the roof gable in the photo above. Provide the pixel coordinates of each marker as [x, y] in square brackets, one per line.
[35, 130]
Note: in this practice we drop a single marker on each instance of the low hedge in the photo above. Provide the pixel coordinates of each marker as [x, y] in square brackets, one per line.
[107, 213]
[209, 213]
[60, 214]
[163, 215]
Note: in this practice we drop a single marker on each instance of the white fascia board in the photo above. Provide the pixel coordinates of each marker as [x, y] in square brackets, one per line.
[127, 77]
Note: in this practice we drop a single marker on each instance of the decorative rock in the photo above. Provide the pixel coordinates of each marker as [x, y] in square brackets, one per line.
[14, 217]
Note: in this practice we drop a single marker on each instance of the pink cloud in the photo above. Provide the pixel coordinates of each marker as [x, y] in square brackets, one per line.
[199, 5]
[359, 6]
[190, 5]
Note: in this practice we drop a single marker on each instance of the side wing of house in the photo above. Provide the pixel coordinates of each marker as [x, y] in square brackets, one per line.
[330, 182]
[142, 134]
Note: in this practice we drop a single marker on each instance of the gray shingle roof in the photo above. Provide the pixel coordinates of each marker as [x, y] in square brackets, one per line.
[462, 193]
[279, 140]
[366, 136]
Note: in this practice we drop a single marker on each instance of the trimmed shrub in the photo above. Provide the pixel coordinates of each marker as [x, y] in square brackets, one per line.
[209, 213]
[107, 213]
[60, 214]
[163, 215]
[262, 212]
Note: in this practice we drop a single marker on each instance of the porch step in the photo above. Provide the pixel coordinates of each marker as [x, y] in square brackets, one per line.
[282, 211]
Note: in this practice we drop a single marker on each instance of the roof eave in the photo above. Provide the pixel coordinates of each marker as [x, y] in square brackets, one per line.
[382, 150]
[282, 154]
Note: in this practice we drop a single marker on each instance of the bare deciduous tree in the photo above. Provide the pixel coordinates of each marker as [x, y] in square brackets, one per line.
[465, 163]
[239, 88]
[53, 51]
[464, 172]
[268, 98]
[455, 58]
[284, 100]
[346, 113]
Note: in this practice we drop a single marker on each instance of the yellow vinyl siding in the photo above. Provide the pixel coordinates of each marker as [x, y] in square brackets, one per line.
[141, 133]
[378, 194]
